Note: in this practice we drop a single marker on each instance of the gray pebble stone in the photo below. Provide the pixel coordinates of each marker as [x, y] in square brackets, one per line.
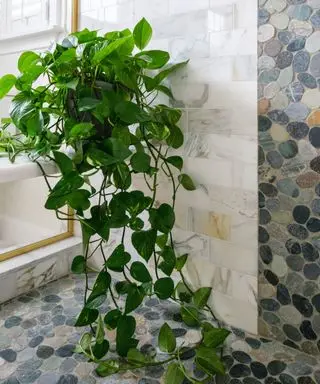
[65, 351]
[279, 117]
[67, 379]
[30, 323]
[285, 37]
[12, 321]
[315, 65]
[52, 299]
[294, 282]
[300, 12]
[284, 59]
[285, 77]
[297, 111]
[307, 80]
[315, 19]
[311, 271]
[30, 365]
[35, 341]
[297, 44]
[288, 187]
[274, 159]
[301, 61]
[295, 262]
[28, 377]
[272, 48]
[8, 355]
[310, 288]
[48, 378]
[68, 365]
[58, 320]
[44, 318]
[295, 91]
[263, 16]
[44, 351]
[11, 380]
[268, 76]
[299, 369]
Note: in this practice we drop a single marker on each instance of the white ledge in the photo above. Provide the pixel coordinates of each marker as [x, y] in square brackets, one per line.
[22, 168]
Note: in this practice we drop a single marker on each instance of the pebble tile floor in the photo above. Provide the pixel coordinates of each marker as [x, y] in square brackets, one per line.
[37, 340]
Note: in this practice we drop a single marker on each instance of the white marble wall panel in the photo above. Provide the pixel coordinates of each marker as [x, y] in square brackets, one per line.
[217, 224]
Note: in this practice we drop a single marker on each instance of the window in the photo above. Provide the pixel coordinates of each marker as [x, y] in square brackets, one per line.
[22, 16]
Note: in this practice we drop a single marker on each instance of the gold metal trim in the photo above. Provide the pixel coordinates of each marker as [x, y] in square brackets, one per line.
[70, 228]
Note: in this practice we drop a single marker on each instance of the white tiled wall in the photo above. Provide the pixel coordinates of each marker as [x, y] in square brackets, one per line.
[217, 224]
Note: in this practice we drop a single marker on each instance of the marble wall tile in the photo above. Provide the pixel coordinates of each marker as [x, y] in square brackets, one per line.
[151, 9]
[236, 95]
[175, 25]
[231, 43]
[224, 121]
[228, 282]
[217, 147]
[182, 6]
[213, 224]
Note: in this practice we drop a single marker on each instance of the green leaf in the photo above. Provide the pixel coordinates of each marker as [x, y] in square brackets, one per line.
[34, 123]
[111, 318]
[181, 261]
[87, 104]
[117, 149]
[122, 287]
[26, 60]
[167, 91]
[101, 349]
[190, 316]
[85, 341]
[125, 329]
[186, 182]
[79, 200]
[139, 272]
[64, 162]
[86, 317]
[140, 162]
[78, 265]
[175, 140]
[163, 218]
[131, 113]
[136, 357]
[183, 293]
[208, 360]
[6, 83]
[154, 59]
[176, 161]
[166, 340]
[162, 240]
[169, 260]
[201, 296]
[66, 57]
[142, 33]
[118, 259]
[82, 131]
[100, 330]
[108, 48]
[108, 368]
[144, 242]
[85, 36]
[164, 288]
[215, 337]
[134, 298]
[96, 302]
[174, 374]
[122, 176]
[136, 224]
[100, 286]
[165, 73]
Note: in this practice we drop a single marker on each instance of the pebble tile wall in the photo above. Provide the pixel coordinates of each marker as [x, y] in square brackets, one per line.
[37, 340]
[289, 172]
[218, 223]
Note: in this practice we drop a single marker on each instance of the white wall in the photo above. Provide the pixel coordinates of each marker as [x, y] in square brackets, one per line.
[217, 224]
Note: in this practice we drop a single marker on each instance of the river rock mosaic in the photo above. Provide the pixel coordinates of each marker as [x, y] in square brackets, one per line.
[37, 340]
[289, 173]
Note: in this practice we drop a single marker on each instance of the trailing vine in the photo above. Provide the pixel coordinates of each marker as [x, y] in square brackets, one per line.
[94, 96]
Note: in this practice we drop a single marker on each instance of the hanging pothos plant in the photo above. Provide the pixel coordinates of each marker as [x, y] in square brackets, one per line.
[97, 99]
